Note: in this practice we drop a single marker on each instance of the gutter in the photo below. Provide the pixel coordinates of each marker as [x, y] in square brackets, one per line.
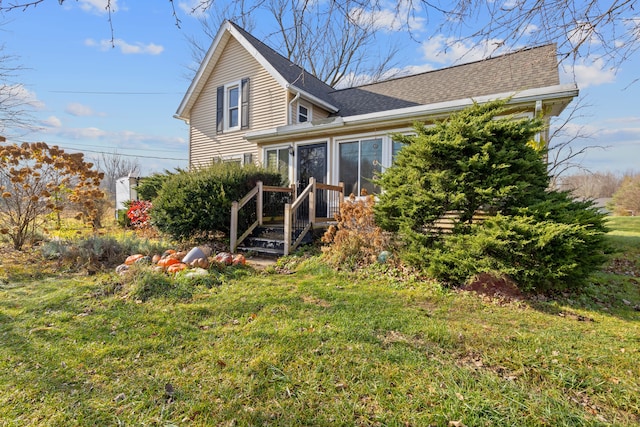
[314, 99]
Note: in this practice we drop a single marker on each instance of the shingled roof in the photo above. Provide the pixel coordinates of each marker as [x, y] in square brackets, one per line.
[515, 71]
[512, 72]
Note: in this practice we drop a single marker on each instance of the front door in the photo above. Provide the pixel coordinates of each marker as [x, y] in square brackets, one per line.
[312, 162]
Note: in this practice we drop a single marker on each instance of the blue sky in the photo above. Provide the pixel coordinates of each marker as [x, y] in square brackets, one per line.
[89, 96]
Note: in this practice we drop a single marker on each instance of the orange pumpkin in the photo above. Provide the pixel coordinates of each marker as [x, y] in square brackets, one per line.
[167, 262]
[224, 258]
[174, 268]
[239, 259]
[132, 259]
[155, 259]
[168, 252]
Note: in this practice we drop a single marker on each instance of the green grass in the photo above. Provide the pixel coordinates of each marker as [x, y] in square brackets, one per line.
[318, 347]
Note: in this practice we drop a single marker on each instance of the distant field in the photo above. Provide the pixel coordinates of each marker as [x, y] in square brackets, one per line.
[624, 224]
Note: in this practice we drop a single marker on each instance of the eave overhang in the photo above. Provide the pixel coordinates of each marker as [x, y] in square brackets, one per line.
[558, 97]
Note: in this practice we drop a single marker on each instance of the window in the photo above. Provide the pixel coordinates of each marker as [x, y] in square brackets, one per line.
[303, 113]
[360, 161]
[396, 147]
[233, 102]
[232, 106]
[277, 159]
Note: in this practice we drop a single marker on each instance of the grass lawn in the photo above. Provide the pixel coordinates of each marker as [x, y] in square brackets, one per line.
[318, 347]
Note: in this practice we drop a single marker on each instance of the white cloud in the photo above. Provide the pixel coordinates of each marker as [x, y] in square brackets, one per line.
[52, 121]
[395, 18]
[584, 32]
[589, 73]
[20, 95]
[193, 8]
[80, 110]
[529, 29]
[449, 51]
[98, 6]
[126, 48]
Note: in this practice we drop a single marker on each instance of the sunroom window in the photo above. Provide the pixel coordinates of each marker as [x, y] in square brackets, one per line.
[360, 161]
[277, 159]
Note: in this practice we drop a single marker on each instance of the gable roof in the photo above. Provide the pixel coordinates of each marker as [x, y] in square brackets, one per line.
[512, 72]
[295, 76]
[286, 73]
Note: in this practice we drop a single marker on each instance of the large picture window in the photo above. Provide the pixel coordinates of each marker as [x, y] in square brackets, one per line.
[360, 161]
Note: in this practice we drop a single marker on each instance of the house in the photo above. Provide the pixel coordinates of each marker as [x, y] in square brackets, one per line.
[249, 104]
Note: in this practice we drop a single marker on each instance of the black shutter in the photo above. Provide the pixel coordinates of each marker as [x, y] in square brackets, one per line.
[245, 104]
[220, 109]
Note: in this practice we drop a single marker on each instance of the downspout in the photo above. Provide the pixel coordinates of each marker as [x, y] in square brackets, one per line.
[538, 137]
[537, 114]
[289, 113]
[291, 149]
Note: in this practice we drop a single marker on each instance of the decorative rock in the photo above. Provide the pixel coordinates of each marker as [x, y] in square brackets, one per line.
[384, 257]
[145, 260]
[193, 254]
[174, 268]
[224, 258]
[200, 263]
[122, 269]
[196, 272]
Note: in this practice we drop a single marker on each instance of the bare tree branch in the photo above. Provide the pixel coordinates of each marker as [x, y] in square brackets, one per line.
[566, 143]
[16, 104]
[346, 30]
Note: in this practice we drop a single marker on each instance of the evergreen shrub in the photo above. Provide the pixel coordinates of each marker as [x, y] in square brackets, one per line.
[199, 202]
[483, 160]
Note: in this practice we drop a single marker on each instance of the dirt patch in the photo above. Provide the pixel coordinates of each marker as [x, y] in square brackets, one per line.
[315, 301]
[494, 287]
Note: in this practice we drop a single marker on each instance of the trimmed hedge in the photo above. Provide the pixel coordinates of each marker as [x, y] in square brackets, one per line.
[199, 202]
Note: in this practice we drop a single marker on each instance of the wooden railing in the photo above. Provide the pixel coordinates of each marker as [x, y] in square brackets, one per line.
[299, 215]
[255, 210]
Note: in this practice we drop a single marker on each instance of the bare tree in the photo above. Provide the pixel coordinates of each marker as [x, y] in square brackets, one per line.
[15, 103]
[606, 31]
[588, 186]
[626, 200]
[569, 142]
[115, 166]
[347, 34]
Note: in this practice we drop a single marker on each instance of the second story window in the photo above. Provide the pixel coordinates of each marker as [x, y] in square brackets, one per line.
[233, 103]
[303, 113]
[232, 109]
